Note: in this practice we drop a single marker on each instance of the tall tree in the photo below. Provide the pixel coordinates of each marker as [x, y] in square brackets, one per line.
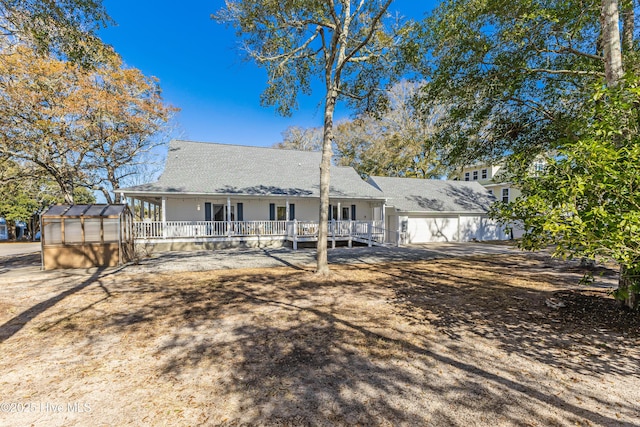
[123, 128]
[345, 43]
[520, 77]
[83, 127]
[587, 201]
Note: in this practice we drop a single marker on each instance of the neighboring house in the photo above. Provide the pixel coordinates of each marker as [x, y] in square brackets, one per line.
[212, 193]
[492, 178]
[437, 210]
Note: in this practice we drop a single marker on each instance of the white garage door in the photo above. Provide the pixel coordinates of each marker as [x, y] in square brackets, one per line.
[452, 229]
[425, 229]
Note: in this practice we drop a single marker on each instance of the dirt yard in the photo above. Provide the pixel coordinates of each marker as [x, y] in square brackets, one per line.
[500, 340]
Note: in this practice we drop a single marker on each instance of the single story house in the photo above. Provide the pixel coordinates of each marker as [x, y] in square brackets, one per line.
[432, 210]
[214, 194]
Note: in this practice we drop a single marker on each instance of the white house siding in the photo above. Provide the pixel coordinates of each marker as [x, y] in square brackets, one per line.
[186, 209]
[183, 209]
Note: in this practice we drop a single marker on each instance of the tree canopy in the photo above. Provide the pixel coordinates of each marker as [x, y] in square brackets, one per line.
[514, 75]
[82, 127]
[587, 201]
[65, 28]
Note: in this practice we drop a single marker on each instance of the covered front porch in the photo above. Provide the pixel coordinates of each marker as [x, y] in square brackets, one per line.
[212, 221]
[258, 233]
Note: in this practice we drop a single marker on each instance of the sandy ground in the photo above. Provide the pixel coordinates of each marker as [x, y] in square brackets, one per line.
[499, 339]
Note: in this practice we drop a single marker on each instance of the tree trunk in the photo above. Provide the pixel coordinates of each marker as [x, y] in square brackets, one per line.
[610, 18]
[628, 25]
[325, 171]
[67, 190]
[628, 291]
[107, 195]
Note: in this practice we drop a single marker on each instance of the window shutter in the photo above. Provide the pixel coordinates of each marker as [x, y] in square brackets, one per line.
[272, 211]
[330, 212]
[353, 212]
[292, 211]
[240, 212]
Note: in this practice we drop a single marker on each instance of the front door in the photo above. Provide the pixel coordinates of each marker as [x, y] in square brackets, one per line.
[214, 212]
[281, 213]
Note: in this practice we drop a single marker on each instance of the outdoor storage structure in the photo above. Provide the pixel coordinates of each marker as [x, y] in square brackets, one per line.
[84, 236]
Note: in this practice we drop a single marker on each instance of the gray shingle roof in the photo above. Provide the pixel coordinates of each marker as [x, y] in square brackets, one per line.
[207, 168]
[432, 195]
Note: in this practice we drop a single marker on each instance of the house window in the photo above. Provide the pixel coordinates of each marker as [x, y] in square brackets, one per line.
[345, 213]
[505, 195]
[214, 212]
[281, 213]
[466, 176]
[490, 192]
[240, 212]
[475, 175]
[484, 174]
[538, 167]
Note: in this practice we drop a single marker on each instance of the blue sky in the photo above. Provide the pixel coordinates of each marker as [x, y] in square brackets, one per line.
[202, 72]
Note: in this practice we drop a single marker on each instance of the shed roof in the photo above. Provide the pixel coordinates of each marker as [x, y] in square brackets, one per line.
[76, 211]
[208, 168]
[433, 195]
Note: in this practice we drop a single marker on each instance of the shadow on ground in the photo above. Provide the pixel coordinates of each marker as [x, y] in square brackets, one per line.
[369, 347]
[19, 261]
[408, 343]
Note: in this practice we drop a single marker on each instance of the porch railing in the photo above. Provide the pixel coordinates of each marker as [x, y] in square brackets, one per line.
[204, 229]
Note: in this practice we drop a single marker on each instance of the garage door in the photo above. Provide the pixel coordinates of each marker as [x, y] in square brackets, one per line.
[479, 228]
[445, 229]
[425, 230]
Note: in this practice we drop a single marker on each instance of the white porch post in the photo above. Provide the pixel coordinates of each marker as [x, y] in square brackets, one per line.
[229, 216]
[295, 235]
[339, 211]
[333, 234]
[163, 213]
[384, 223]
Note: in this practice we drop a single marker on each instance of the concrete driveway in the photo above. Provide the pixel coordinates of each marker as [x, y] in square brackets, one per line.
[306, 258]
[19, 248]
[21, 261]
